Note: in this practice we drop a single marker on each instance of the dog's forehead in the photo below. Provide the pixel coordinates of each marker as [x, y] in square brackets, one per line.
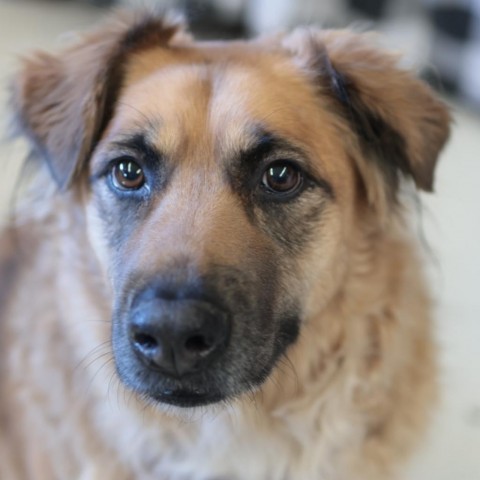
[213, 98]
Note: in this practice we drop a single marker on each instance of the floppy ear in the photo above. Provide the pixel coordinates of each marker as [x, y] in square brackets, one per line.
[63, 102]
[399, 124]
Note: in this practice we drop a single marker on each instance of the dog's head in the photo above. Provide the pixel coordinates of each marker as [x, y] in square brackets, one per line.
[224, 184]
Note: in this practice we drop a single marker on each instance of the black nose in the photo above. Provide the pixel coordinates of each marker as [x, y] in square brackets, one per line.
[178, 337]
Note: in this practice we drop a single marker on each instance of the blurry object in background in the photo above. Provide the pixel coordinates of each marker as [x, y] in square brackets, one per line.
[262, 17]
[372, 8]
[101, 3]
[207, 18]
[215, 19]
[456, 47]
[440, 38]
[267, 16]
[454, 20]
[249, 17]
[96, 3]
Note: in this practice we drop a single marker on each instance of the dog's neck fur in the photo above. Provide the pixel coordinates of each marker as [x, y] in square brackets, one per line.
[202, 444]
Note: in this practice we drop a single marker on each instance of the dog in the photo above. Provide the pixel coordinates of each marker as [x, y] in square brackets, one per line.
[211, 275]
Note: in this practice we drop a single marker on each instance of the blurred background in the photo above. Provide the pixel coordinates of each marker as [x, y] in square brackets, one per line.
[441, 41]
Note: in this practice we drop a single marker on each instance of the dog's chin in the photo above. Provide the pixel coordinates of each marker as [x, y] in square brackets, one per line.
[174, 395]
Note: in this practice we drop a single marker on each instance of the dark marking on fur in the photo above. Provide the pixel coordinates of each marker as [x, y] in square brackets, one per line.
[337, 81]
[289, 220]
[291, 224]
[288, 333]
[122, 212]
[147, 33]
[381, 142]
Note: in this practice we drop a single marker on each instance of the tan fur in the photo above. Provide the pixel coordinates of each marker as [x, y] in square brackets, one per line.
[353, 394]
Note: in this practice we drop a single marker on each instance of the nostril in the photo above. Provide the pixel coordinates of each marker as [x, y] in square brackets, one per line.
[197, 344]
[145, 341]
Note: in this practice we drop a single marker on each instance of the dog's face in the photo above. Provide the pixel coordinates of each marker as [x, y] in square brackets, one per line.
[223, 185]
[213, 199]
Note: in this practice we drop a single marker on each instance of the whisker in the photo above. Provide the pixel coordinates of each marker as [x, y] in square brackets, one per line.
[94, 351]
[92, 379]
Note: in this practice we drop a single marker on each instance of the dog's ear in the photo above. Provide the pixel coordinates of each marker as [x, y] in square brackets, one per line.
[397, 120]
[63, 102]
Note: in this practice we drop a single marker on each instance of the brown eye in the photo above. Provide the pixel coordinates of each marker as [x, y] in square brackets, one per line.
[127, 174]
[282, 177]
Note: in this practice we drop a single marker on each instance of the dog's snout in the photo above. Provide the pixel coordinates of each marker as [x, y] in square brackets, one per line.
[178, 337]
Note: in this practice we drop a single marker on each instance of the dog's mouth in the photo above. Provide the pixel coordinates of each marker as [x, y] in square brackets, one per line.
[187, 398]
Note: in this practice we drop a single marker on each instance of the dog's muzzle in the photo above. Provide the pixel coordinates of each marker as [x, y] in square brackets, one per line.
[190, 340]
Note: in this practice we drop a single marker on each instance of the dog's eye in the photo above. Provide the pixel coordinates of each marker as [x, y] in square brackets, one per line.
[127, 174]
[282, 177]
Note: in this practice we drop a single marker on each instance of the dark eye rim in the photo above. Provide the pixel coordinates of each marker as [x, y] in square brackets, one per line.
[289, 194]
